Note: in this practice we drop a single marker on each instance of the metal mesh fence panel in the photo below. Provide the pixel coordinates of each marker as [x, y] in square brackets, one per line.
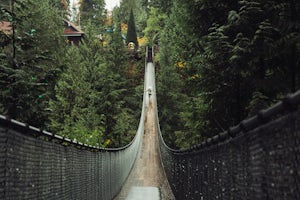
[35, 164]
[260, 162]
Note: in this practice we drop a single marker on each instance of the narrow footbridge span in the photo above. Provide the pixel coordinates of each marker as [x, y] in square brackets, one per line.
[147, 180]
[256, 159]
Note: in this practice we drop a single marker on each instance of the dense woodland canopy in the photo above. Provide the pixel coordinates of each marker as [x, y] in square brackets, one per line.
[91, 92]
[222, 61]
[217, 63]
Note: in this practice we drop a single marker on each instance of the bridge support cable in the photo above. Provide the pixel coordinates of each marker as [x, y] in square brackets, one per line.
[36, 164]
[257, 159]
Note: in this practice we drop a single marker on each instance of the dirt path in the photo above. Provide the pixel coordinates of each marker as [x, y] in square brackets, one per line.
[147, 170]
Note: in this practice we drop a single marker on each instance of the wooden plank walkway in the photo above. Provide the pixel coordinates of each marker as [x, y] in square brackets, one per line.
[148, 171]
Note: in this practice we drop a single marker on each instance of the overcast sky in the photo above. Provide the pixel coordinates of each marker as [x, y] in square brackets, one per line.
[110, 4]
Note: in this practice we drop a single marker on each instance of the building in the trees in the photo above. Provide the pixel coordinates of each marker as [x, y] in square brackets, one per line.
[73, 33]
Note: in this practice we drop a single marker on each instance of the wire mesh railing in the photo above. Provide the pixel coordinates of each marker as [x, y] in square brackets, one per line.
[257, 159]
[36, 164]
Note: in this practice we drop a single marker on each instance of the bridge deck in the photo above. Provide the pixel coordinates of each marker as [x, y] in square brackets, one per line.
[148, 171]
[143, 193]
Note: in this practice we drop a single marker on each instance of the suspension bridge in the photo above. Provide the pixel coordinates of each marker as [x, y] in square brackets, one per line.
[256, 159]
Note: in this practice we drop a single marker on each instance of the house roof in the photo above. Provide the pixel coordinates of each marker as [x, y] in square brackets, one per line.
[5, 27]
[71, 29]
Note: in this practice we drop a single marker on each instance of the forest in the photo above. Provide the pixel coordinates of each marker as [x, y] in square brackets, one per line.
[217, 62]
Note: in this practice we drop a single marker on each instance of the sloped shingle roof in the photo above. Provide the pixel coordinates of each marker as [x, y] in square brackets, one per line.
[72, 30]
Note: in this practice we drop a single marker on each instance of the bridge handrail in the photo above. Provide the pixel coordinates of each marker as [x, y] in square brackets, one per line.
[256, 159]
[33, 159]
[289, 103]
[37, 132]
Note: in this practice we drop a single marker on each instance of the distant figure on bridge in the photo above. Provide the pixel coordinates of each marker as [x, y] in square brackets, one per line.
[149, 55]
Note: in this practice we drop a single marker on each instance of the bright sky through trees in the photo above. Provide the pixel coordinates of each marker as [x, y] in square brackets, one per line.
[110, 4]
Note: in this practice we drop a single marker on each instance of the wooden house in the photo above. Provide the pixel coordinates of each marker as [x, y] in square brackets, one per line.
[72, 32]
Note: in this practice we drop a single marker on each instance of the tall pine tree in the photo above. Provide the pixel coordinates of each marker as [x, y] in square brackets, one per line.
[31, 60]
[92, 10]
[131, 31]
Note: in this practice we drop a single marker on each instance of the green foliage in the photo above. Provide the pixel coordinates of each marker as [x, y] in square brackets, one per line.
[218, 62]
[163, 5]
[229, 56]
[140, 12]
[125, 9]
[116, 51]
[194, 119]
[89, 105]
[169, 91]
[30, 60]
[62, 6]
[92, 10]
[155, 23]
[78, 92]
[124, 131]
[74, 113]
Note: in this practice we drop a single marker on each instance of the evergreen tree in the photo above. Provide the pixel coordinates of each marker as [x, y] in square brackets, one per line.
[6, 5]
[119, 116]
[116, 50]
[169, 89]
[155, 23]
[30, 60]
[75, 111]
[140, 13]
[74, 114]
[163, 5]
[89, 103]
[131, 31]
[92, 10]
[125, 8]
[62, 6]
[229, 56]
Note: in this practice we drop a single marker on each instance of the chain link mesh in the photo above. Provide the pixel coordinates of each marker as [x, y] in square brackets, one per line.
[35, 164]
[263, 163]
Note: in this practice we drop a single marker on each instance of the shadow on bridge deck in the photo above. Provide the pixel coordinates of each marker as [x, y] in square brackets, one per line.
[148, 171]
